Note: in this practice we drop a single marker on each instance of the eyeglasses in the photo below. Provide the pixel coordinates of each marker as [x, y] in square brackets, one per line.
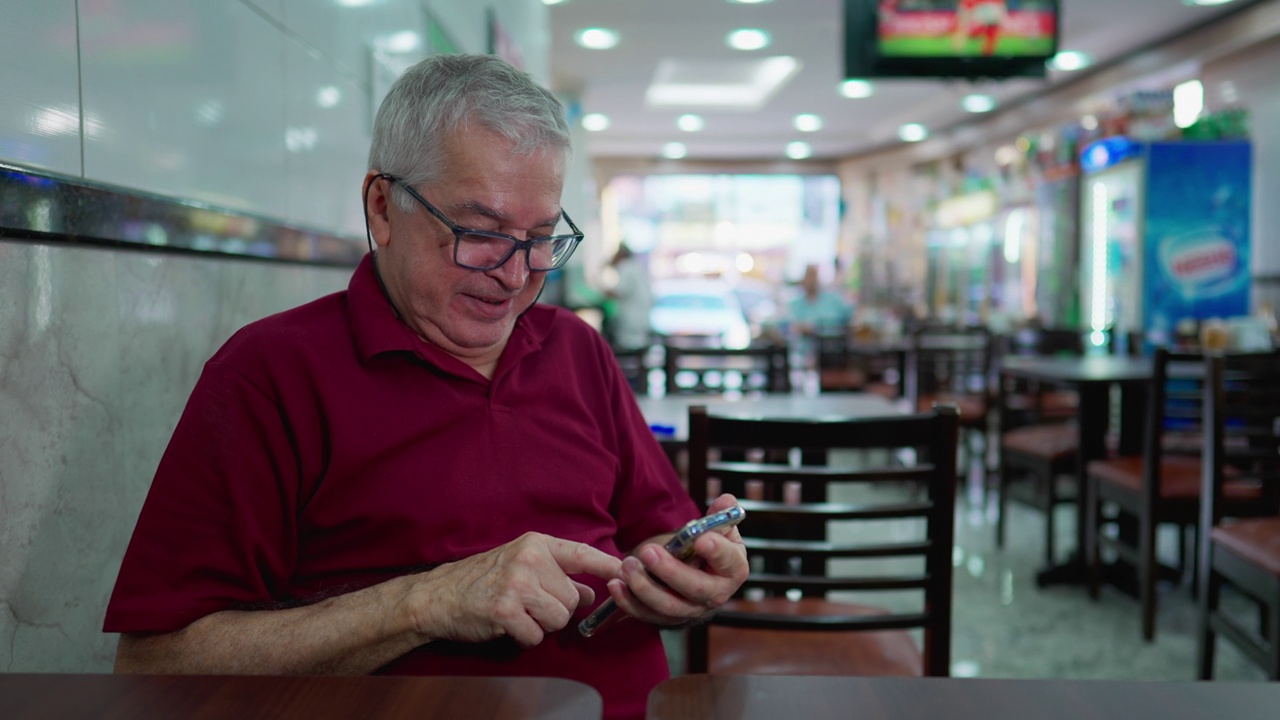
[484, 250]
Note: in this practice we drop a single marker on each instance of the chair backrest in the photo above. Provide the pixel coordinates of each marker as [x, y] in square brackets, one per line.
[956, 362]
[812, 530]
[1174, 422]
[636, 364]
[690, 370]
[1241, 434]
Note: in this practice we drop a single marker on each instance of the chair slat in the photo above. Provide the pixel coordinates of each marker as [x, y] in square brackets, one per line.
[836, 550]
[776, 581]
[836, 511]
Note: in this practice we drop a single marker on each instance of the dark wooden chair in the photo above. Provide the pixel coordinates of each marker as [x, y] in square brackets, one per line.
[1160, 486]
[1240, 545]
[839, 368]
[954, 367]
[636, 363]
[1038, 441]
[789, 617]
[697, 370]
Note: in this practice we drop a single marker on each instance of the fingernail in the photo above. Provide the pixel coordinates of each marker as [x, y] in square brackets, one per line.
[631, 565]
[649, 556]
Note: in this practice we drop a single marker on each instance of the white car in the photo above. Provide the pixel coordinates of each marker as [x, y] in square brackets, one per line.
[699, 308]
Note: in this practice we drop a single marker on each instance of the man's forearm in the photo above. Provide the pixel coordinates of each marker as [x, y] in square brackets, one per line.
[354, 633]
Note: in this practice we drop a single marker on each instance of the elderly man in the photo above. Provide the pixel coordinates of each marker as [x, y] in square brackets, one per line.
[427, 473]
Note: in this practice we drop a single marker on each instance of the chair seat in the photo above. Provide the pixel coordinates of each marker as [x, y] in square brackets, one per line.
[841, 378]
[883, 389]
[1054, 404]
[751, 651]
[972, 408]
[1256, 540]
[1055, 442]
[1180, 477]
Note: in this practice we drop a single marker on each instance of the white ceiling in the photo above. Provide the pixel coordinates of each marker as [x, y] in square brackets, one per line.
[614, 81]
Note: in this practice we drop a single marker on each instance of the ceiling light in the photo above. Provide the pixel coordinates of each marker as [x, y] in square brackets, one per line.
[690, 122]
[328, 96]
[798, 150]
[596, 38]
[856, 89]
[399, 42]
[807, 122]
[355, 3]
[1205, 2]
[674, 151]
[747, 39]
[1069, 60]
[913, 132]
[978, 103]
[552, 2]
[748, 2]
[595, 122]
[737, 84]
[1089, 122]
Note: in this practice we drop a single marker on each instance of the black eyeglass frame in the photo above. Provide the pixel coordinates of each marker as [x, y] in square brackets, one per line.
[516, 244]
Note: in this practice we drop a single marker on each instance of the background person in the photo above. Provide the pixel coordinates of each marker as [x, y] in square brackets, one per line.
[427, 473]
[633, 299]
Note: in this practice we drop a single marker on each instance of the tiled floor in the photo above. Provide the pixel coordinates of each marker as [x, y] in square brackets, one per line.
[1004, 626]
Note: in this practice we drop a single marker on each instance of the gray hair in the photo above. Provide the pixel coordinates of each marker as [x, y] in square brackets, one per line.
[444, 93]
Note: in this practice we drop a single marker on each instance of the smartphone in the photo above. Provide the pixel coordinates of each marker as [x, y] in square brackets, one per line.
[680, 546]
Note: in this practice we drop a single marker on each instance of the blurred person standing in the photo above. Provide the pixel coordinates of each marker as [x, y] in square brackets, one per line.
[817, 309]
[633, 299]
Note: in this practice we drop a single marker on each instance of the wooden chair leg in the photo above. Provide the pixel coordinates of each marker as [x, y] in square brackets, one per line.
[1092, 529]
[1148, 568]
[1206, 639]
[1050, 502]
[1273, 638]
[1002, 499]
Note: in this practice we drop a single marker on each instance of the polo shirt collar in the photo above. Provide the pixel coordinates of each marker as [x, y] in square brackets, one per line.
[377, 329]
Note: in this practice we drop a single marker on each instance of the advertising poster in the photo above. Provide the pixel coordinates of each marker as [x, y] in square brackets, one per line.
[1197, 232]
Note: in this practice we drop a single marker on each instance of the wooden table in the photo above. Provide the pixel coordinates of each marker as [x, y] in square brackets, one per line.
[728, 697]
[1092, 378]
[673, 410]
[280, 698]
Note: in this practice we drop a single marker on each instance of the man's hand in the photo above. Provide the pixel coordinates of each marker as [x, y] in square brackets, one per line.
[521, 589]
[658, 588]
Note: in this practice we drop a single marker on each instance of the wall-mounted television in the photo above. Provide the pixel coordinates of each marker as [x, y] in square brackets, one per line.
[949, 38]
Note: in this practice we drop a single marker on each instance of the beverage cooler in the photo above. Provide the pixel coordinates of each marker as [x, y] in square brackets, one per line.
[1164, 235]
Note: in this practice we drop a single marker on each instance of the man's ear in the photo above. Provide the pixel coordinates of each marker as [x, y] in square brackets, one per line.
[377, 204]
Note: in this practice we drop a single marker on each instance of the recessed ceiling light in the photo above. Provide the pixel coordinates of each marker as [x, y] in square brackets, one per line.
[674, 150]
[596, 38]
[1089, 122]
[690, 122]
[856, 89]
[807, 122]
[399, 42]
[328, 96]
[1069, 60]
[748, 2]
[747, 39]
[913, 132]
[1205, 2]
[978, 103]
[798, 150]
[355, 3]
[739, 84]
[552, 2]
[595, 122]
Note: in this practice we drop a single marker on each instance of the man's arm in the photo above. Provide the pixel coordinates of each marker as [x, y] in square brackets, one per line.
[521, 589]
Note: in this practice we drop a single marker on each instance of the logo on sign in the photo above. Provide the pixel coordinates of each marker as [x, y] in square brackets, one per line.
[1202, 264]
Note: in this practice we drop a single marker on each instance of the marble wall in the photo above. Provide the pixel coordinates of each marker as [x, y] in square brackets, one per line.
[98, 352]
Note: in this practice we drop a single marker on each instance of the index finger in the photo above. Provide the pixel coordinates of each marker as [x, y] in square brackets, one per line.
[575, 557]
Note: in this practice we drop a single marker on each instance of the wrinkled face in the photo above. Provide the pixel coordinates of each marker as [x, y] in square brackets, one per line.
[469, 313]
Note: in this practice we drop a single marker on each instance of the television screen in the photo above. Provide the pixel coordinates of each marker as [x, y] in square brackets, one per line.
[949, 38]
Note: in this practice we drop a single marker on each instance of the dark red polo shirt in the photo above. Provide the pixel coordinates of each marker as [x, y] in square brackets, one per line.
[328, 448]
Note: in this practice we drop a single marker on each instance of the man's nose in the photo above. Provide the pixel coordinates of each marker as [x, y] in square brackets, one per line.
[514, 272]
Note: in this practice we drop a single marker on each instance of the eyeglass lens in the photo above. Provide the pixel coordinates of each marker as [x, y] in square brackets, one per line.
[487, 252]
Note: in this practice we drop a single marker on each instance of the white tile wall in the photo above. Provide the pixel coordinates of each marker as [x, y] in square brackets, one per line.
[39, 86]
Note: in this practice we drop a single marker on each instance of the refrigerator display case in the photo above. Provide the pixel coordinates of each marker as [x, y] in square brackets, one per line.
[1164, 235]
